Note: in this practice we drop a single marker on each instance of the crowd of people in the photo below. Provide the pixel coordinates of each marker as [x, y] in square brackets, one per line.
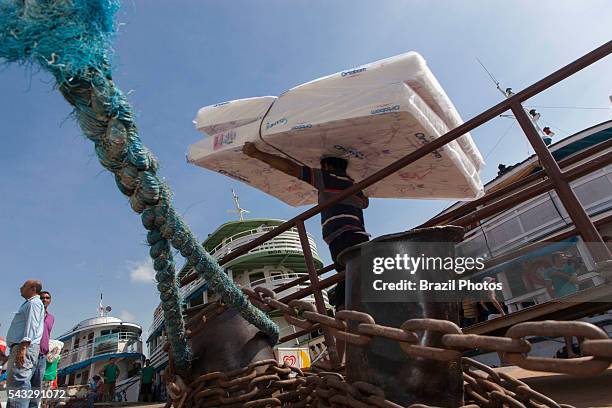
[30, 357]
[27, 341]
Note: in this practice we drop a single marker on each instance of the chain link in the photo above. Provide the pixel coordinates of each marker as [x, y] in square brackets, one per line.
[359, 328]
[268, 384]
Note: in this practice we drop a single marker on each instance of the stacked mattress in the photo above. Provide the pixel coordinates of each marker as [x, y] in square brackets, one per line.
[371, 115]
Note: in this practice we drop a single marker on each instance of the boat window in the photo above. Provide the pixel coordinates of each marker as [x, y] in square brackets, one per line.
[256, 276]
[476, 246]
[541, 214]
[104, 332]
[196, 301]
[504, 233]
[593, 190]
[90, 338]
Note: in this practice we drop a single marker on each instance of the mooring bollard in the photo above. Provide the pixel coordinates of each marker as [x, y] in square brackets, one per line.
[406, 379]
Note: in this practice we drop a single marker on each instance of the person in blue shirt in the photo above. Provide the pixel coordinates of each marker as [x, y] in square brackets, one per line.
[96, 387]
[560, 278]
[23, 338]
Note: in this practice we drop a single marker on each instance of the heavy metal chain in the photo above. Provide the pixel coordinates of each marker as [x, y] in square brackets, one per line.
[596, 346]
[268, 384]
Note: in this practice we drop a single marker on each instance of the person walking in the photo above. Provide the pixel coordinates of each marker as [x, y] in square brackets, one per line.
[24, 337]
[39, 372]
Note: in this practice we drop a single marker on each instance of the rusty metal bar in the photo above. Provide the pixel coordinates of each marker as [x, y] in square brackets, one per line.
[314, 284]
[567, 196]
[531, 191]
[466, 127]
[472, 205]
[302, 279]
[324, 284]
[300, 333]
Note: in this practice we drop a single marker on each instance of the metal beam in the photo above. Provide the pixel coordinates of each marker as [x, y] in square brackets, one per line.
[318, 295]
[581, 220]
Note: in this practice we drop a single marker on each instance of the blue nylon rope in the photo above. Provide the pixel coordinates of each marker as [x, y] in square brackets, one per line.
[72, 41]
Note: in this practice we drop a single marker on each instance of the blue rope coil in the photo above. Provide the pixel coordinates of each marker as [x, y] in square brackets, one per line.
[72, 40]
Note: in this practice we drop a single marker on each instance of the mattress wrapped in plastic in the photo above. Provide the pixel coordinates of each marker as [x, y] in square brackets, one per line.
[371, 115]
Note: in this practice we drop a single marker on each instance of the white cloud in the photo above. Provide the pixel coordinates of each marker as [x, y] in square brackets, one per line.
[127, 316]
[142, 272]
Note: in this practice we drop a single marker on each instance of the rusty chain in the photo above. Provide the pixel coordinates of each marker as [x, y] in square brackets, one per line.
[596, 346]
[268, 384]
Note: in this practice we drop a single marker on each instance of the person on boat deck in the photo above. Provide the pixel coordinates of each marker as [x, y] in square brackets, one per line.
[110, 372]
[39, 372]
[560, 278]
[342, 223]
[23, 338]
[96, 389]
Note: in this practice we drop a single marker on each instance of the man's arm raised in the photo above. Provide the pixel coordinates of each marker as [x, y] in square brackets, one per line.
[279, 163]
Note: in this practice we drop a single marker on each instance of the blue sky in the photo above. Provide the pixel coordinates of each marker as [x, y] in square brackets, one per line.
[63, 220]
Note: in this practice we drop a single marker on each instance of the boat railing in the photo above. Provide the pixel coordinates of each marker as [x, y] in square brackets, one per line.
[552, 177]
[276, 281]
[541, 295]
[158, 318]
[288, 240]
[122, 342]
[158, 354]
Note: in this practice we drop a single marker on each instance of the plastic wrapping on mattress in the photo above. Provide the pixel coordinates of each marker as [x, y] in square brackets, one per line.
[227, 115]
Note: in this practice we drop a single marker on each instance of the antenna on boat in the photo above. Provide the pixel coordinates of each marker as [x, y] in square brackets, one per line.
[103, 311]
[545, 133]
[239, 210]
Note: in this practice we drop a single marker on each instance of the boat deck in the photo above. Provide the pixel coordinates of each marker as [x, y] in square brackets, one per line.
[587, 302]
[581, 392]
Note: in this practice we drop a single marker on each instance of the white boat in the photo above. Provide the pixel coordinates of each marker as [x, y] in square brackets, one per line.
[90, 345]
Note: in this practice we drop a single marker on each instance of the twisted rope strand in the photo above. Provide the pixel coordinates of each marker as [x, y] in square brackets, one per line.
[72, 41]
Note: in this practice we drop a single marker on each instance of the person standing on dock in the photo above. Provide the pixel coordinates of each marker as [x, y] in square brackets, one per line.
[146, 381]
[110, 372]
[39, 372]
[24, 337]
[343, 224]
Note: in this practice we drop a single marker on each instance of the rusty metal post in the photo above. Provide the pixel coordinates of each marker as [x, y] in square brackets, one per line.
[405, 379]
[330, 341]
[581, 220]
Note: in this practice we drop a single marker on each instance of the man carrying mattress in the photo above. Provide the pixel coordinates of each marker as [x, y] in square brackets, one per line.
[342, 223]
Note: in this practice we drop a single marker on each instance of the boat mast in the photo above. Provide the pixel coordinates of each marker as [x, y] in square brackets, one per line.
[545, 133]
[239, 210]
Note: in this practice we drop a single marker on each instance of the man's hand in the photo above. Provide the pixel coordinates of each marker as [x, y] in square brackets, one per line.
[21, 356]
[250, 149]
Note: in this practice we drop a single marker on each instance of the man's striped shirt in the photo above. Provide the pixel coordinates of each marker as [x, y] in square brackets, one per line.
[344, 216]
